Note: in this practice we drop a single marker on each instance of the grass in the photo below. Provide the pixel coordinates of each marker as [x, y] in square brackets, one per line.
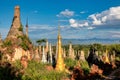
[38, 71]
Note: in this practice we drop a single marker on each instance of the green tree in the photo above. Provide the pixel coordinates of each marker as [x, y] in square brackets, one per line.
[40, 41]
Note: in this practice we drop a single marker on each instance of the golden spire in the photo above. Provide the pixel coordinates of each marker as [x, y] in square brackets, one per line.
[106, 57]
[60, 66]
[58, 28]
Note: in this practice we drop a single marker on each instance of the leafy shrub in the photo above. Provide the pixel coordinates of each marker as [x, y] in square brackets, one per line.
[70, 63]
[85, 66]
[37, 71]
[20, 28]
[7, 43]
[25, 42]
[9, 72]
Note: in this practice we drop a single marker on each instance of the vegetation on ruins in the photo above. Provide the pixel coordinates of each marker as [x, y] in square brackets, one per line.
[7, 43]
[25, 42]
[38, 71]
[70, 63]
[20, 28]
[9, 72]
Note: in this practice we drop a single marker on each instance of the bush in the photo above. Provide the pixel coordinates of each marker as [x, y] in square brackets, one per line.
[9, 72]
[7, 43]
[20, 28]
[85, 66]
[70, 63]
[38, 71]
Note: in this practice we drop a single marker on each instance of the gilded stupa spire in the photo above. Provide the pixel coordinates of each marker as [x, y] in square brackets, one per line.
[106, 57]
[60, 66]
[58, 29]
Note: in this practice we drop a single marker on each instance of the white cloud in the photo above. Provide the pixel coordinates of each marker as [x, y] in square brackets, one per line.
[66, 13]
[95, 20]
[84, 24]
[74, 23]
[116, 36]
[90, 28]
[107, 17]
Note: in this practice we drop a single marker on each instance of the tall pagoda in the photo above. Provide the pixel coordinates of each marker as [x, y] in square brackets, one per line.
[60, 66]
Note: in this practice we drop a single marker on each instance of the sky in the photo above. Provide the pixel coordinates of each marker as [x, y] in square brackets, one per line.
[78, 19]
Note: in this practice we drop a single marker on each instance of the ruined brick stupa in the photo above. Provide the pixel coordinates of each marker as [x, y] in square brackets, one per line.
[16, 27]
[17, 43]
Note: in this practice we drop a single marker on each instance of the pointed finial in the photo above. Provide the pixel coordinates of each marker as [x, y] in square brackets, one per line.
[27, 22]
[58, 27]
[0, 36]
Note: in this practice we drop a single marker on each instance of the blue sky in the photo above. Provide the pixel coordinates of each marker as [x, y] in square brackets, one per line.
[79, 19]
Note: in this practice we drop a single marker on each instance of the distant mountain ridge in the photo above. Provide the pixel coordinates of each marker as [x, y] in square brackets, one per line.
[84, 41]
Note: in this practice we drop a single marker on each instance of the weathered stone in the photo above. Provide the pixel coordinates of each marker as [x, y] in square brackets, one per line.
[19, 52]
[19, 44]
[24, 62]
[36, 55]
[71, 52]
[50, 52]
[95, 69]
[44, 59]
[16, 27]
[46, 48]
[82, 56]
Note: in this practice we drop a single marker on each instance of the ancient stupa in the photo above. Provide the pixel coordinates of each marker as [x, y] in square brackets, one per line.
[16, 34]
[16, 27]
[44, 60]
[71, 51]
[60, 66]
[16, 41]
[106, 57]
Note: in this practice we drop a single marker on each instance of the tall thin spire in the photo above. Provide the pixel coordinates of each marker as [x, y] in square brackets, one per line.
[58, 28]
[0, 36]
[60, 66]
[0, 39]
[27, 27]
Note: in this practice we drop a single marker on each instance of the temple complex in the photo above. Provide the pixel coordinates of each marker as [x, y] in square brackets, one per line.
[60, 66]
